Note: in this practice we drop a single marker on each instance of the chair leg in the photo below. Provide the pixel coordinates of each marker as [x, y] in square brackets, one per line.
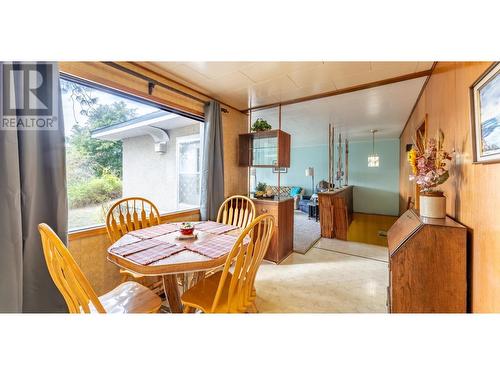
[253, 308]
[188, 309]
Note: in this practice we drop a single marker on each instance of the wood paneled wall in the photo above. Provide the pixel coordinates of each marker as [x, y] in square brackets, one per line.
[472, 189]
[235, 177]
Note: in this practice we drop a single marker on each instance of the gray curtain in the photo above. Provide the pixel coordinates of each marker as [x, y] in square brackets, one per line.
[33, 190]
[212, 172]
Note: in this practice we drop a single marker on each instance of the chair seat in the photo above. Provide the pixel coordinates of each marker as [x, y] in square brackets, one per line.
[130, 297]
[202, 295]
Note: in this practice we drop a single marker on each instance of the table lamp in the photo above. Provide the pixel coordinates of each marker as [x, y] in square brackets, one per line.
[310, 172]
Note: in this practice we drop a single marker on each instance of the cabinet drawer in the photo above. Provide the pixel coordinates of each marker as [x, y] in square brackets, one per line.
[267, 209]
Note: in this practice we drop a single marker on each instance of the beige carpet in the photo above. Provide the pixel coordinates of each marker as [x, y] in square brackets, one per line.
[344, 277]
[305, 232]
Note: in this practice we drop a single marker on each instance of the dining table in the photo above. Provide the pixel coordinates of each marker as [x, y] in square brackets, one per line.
[162, 251]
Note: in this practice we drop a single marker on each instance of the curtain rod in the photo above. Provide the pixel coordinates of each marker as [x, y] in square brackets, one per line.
[153, 82]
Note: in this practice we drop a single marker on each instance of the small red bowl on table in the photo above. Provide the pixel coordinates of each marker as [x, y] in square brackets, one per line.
[187, 229]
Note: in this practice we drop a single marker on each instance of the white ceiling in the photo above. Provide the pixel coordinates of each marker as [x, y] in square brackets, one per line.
[385, 108]
[250, 84]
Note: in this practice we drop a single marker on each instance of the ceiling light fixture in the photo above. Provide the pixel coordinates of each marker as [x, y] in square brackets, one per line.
[373, 159]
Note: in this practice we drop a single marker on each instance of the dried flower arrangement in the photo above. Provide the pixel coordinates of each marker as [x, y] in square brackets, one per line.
[429, 165]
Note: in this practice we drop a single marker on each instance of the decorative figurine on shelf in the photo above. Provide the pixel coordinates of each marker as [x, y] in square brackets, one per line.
[261, 125]
[428, 161]
[324, 186]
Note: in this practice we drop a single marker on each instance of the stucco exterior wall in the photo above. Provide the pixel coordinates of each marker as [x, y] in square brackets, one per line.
[150, 174]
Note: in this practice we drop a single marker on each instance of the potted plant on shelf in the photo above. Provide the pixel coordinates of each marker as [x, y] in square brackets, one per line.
[263, 191]
[260, 125]
[429, 163]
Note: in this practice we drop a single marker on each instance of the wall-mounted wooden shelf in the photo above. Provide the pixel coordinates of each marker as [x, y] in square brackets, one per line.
[265, 149]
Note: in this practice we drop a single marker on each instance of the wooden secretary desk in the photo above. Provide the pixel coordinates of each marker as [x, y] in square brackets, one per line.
[427, 265]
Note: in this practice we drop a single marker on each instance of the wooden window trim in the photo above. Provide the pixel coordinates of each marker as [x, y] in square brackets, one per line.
[101, 74]
[101, 229]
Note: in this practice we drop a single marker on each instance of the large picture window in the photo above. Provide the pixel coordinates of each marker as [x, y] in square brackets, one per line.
[188, 171]
[118, 146]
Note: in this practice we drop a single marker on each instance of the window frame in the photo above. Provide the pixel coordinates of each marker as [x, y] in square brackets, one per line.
[179, 141]
[85, 231]
[129, 96]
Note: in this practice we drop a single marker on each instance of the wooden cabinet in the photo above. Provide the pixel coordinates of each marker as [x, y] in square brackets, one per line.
[427, 265]
[282, 241]
[335, 212]
[265, 149]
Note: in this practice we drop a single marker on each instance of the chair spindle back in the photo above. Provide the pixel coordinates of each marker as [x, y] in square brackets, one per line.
[68, 277]
[130, 214]
[236, 210]
[247, 260]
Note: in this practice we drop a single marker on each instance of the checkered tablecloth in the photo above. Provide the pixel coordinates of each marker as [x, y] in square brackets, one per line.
[215, 246]
[125, 240]
[155, 231]
[155, 253]
[215, 228]
[149, 245]
[135, 247]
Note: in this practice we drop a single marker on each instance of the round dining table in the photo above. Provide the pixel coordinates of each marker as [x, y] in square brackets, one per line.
[168, 263]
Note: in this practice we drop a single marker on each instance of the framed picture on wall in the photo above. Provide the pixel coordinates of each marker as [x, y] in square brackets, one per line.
[485, 113]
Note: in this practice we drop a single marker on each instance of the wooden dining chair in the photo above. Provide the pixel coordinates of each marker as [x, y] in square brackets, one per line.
[236, 210]
[130, 214]
[129, 297]
[234, 292]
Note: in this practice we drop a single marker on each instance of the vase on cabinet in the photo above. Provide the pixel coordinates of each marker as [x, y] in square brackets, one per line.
[433, 204]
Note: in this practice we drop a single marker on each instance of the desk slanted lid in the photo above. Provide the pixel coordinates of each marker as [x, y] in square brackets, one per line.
[409, 223]
[403, 228]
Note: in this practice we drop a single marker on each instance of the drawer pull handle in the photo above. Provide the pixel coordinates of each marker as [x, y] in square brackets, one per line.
[263, 210]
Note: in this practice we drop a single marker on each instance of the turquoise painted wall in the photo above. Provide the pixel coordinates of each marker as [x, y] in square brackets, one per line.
[376, 190]
[300, 159]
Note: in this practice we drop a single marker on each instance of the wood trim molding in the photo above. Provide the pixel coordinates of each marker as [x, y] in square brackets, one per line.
[346, 90]
[101, 229]
[99, 73]
[418, 98]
